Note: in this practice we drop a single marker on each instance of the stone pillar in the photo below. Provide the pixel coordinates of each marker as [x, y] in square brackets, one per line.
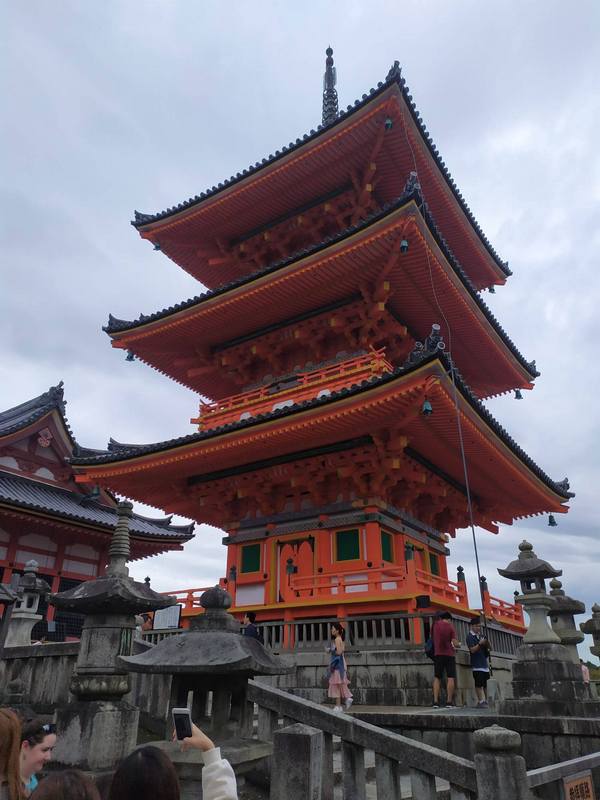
[561, 617]
[24, 616]
[501, 771]
[592, 626]
[296, 763]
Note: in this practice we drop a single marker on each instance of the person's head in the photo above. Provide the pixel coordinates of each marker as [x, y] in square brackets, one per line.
[71, 784]
[250, 617]
[581, 660]
[337, 629]
[37, 743]
[444, 615]
[475, 625]
[147, 773]
[10, 743]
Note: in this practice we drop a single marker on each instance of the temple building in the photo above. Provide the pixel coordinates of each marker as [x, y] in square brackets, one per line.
[46, 517]
[341, 353]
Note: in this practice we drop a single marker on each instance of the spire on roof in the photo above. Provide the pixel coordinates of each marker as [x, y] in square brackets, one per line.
[330, 98]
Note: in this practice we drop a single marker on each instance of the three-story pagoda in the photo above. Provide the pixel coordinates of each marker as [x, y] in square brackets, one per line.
[329, 449]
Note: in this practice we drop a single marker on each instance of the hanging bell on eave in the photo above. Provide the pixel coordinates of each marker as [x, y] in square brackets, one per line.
[518, 395]
[426, 408]
[552, 523]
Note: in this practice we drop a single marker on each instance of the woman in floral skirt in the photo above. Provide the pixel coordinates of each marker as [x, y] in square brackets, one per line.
[338, 671]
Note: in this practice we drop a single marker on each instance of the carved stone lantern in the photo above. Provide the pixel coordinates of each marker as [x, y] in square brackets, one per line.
[545, 680]
[99, 728]
[561, 616]
[30, 589]
[592, 626]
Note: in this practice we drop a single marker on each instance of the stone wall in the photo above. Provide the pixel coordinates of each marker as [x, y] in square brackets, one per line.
[386, 677]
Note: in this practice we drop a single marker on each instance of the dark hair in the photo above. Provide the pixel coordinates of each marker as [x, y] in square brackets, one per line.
[10, 729]
[35, 730]
[340, 629]
[70, 783]
[443, 615]
[251, 616]
[147, 773]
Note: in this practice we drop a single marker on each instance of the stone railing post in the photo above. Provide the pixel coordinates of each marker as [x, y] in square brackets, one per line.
[296, 763]
[501, 771]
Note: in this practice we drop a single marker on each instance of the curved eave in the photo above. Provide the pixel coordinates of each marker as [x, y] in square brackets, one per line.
[371, 404]
[149, 225]
[145, 333]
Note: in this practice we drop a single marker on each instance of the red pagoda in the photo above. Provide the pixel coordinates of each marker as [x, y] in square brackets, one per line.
[329, 449]
[46, 517]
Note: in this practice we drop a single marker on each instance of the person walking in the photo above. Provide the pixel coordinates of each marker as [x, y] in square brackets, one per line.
[250, 628]
[338, 671]
[445, 643]
[479, 648]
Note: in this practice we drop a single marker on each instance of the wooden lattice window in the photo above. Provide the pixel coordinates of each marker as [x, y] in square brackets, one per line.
[347, 545]
[387, 546]
[250, 558]
[434, 564]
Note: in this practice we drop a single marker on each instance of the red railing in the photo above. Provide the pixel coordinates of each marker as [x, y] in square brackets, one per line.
[349, 582]
[441, 588]
[306, 385]
[503, 612]
[189, 599]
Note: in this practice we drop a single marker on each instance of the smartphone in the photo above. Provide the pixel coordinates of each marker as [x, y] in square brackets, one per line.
[182, 722]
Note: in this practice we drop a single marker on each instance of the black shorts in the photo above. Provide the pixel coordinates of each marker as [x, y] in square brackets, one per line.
[445, 664]
[480, 678]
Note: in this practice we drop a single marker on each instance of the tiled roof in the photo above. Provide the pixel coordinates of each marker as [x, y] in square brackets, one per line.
[131, 451]
[393, 77]
[25, 414]
[29, 494]
[116, 325]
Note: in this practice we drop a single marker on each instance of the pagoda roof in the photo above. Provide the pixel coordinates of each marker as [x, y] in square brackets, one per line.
[24, 493]
[226, 217]
[142, 471]
[148, 335]
[25, 414]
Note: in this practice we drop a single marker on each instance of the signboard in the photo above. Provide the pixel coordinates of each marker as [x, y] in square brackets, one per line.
[579, 787]
[167, 618]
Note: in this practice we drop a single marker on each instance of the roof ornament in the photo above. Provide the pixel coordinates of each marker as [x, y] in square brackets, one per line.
[432, 344]
[395, 72]
[412, 183]
[119, 552]
[330, 98]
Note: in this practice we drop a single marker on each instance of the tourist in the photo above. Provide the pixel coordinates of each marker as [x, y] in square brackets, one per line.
[37, 742]
[147, 623]
[479, 648]
[149, 773]
[445, 643]
[250, 629]
[11, 785]
[69, 784]
[338, 671]
[585, 672]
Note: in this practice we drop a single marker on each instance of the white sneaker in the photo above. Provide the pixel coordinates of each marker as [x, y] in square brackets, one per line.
[348, 702]
[337, 709]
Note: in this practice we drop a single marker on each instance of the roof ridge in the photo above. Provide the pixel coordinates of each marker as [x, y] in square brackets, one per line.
[28, 412]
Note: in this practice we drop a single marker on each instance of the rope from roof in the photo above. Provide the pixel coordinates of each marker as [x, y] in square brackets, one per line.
[330, 98]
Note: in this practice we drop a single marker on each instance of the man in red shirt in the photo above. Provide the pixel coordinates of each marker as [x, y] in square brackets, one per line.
[444, 657]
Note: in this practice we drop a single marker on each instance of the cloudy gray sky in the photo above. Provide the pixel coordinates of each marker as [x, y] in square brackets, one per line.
[119, 105]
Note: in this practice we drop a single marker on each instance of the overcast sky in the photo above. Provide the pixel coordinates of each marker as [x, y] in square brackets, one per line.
[113, 106]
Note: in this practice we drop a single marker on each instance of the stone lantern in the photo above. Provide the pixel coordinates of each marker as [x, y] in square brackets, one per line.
[30, 589]
[214, 661]
[561, 616]
[545, 680]
[592, 626]
[100, 728]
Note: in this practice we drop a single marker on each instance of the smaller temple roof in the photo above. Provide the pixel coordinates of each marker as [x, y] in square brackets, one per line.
[34, 495]
[22, 416]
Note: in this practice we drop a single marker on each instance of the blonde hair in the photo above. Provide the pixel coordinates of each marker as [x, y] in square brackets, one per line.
[10, 750]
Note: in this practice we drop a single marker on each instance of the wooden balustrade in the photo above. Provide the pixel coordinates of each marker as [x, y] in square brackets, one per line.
[500, 610]
[302, 386]
[350, 582]
[442, 588]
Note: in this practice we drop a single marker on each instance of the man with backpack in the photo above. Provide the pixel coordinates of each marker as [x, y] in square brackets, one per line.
[445, 642]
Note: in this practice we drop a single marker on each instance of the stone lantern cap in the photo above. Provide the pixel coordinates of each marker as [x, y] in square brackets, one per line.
[214, 647]
[29, 581]
[7, 596]
[115, 592]
[528, 566]
[563, 604]
[592, 625]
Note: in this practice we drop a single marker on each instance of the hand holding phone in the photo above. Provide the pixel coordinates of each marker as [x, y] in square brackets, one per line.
[182, 722]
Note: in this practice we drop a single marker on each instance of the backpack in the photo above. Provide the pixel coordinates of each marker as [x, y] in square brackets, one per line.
[429, 649]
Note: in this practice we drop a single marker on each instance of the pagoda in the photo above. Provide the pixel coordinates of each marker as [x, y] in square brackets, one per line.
[341, 353]
[48, 518]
